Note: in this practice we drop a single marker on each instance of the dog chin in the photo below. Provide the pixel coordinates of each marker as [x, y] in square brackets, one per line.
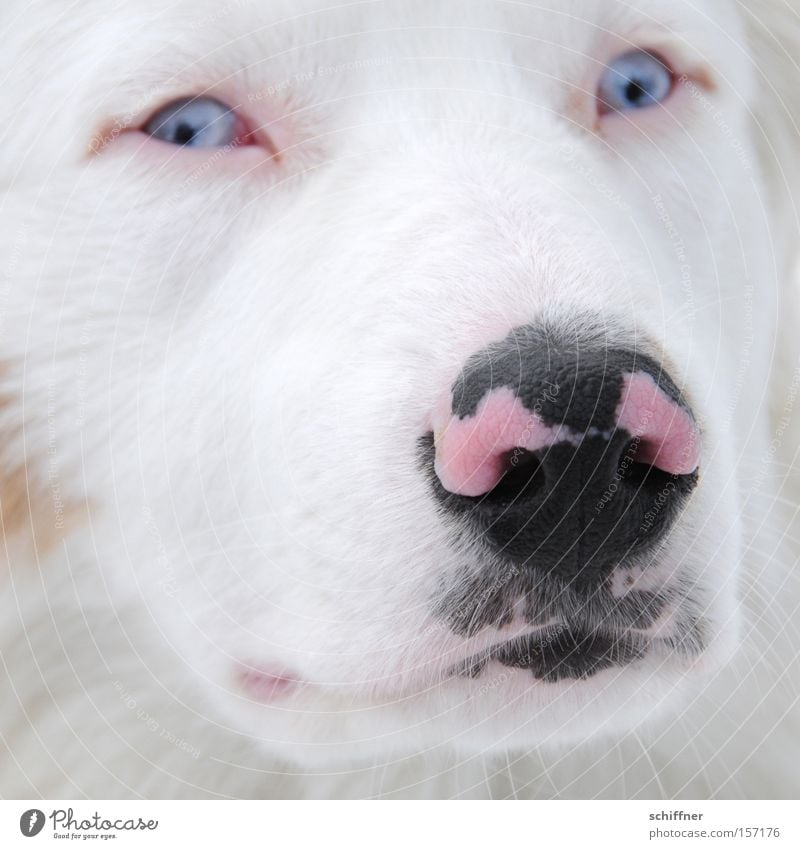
[504, 711]
[546, 688]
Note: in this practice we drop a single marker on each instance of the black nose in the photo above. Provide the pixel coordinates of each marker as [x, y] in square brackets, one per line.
[564, 456]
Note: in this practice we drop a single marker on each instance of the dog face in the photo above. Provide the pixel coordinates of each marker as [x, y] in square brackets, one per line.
[401, 354]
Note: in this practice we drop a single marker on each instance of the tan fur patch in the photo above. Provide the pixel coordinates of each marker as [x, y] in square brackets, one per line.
[31, 511]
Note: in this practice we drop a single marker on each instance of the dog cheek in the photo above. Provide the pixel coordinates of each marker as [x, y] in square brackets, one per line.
[36, 511]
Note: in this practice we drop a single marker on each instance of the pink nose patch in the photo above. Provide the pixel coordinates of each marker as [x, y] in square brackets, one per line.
[666, 433]
[472, 453]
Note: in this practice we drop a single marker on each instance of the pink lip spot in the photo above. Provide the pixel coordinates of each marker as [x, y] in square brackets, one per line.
[266, 684]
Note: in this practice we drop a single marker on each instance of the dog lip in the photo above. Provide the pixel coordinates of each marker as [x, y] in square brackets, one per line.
[558, 652]
[266, 683]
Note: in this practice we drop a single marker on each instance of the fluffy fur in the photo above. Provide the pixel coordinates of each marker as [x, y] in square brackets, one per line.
[217, 366]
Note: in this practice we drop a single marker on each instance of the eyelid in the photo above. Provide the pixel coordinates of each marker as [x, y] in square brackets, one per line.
[134, 121]
[692, 76]
[685, 62]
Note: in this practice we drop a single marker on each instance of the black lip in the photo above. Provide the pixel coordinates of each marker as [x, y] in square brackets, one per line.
[559, 653]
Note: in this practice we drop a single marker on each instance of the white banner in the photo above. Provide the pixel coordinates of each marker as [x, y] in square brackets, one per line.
[405, 825]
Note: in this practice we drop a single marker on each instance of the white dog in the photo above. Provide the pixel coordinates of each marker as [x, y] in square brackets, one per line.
[398, 398]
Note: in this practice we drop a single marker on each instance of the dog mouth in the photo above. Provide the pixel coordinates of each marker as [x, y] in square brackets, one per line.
[558, 653]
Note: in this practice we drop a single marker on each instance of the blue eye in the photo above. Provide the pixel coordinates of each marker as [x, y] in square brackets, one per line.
[195, 122]
[634, 80]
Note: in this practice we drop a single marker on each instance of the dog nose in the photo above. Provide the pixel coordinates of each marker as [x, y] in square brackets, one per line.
[474, 452]
[565, 452]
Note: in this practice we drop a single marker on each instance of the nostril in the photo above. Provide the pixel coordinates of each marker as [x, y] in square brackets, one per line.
[523, 476]
[635, 470]
[630, 462]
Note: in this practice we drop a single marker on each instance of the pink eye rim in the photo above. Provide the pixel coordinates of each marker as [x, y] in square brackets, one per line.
[238, 130]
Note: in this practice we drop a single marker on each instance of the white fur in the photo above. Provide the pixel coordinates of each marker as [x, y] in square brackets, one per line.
[216, 369]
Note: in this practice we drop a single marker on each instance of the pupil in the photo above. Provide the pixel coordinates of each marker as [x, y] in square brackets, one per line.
[184, 133]
[635, 91]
